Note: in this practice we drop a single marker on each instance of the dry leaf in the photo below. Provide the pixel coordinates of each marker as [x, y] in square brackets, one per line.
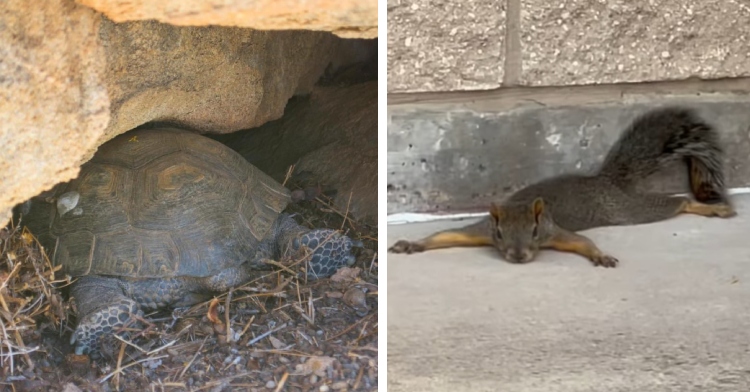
[56, 306]
[213, 312]
[78, 364]
[276, 343]
[316, 365]
[346, 274]
[334, 294]
[356, 298]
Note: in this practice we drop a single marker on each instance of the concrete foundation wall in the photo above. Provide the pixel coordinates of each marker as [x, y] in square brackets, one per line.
[461, 154]
[486, 97]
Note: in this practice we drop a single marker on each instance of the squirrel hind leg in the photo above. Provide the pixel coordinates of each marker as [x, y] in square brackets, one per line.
[704, 186]
[708, 210]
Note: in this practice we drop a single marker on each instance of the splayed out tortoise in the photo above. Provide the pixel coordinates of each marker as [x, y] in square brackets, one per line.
[163, 218]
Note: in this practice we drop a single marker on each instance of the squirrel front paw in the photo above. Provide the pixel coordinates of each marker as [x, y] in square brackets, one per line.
[408, 247]
[605, 261]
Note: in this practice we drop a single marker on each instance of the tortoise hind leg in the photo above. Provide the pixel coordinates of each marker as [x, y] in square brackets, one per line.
[103, 308]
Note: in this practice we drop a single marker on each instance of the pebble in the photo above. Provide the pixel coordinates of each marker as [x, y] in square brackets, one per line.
[271, 385]
[356, 298]
[324, 388]
[70, 387]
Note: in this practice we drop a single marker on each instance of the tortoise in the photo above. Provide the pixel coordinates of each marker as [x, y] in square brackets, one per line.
[163, 218]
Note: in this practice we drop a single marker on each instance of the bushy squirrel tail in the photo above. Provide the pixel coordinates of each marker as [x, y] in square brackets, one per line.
[665, 135]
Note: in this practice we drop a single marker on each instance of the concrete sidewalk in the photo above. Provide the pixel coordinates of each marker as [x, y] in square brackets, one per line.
[674, 316]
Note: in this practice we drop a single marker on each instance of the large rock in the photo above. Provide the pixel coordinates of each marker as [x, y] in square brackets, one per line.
[348, 19]
[55, 106]
[71, 79]
[213, 79]
[332, 139]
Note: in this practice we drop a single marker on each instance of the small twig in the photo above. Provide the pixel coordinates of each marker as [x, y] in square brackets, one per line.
[311, 305]
[288, 175]
[212, 384]
[276, 263]
[187, 365]
[226, 314]
[285, 351]
[283, 381]
[16, 334]
[303, 315]
[364, 348]
[359, 378]
[372, 262]
[347, 210]
[349, 328]
[154, 351]
[288, 304]
[119, 366]
[247, 326]
[261, 336]
[108, 376]
[346, 219]
[129, 343]
[10, 346]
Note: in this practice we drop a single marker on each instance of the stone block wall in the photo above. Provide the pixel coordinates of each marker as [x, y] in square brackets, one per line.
[488, 96]
[482, 44]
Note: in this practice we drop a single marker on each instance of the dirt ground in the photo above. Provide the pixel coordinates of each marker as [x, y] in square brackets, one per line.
[275, 333]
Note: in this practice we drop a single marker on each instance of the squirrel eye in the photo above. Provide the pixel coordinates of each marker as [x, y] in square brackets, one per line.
[498, 234]
[535, 232]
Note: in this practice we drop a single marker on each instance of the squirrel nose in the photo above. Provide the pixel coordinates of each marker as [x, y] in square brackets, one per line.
[518, 255]
[514, 256]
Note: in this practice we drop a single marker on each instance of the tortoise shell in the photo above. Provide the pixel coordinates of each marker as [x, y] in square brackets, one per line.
[160, 203]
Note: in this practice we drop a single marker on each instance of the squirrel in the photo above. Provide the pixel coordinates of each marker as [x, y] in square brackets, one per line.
[546, 215]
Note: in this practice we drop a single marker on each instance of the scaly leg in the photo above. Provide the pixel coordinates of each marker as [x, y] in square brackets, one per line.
[103, 308]
[328, 250]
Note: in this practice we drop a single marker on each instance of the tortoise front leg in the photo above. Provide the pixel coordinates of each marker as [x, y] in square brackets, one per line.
[327, 250]
[103, 308]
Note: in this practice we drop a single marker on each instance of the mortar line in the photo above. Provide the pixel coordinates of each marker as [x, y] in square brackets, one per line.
[512, 65]
[403, 218]
[551, 95]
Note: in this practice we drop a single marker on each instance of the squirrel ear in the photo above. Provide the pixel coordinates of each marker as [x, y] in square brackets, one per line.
[496, 212]
[538, 207]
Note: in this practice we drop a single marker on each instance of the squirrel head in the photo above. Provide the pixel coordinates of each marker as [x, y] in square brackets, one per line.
[518, 228]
